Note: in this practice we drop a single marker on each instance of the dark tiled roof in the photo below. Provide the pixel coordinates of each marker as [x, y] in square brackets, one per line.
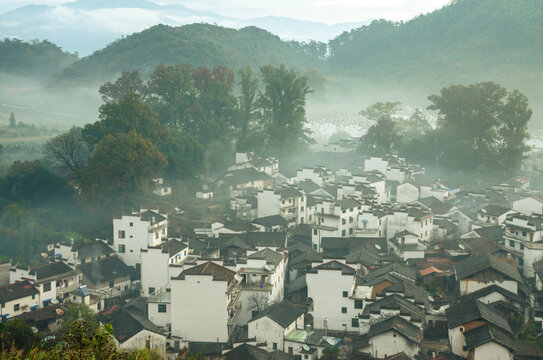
[395, 302]
[239, 225]
[470, 310]
[402, 326]
[50, 270]
[105, 270]
[17, 290]
[259, 162]
[334, 265]
[492, 289]
[288, 192]
[46, 314]
[284, 313]
[244, 176]
[480, 263]
[93, 249]
[494, 233]
[125, 323]
[234, 241]
[392, 268]
[485, 334]
[251, 352]
[271, 256]
[482, 245]
[307, 186]
[147, 215]
[173, 247]
[348, 203]
[210, 268]
[494, 210]
[272, 220]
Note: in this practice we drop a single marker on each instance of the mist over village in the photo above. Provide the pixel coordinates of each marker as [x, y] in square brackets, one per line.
[233, 180]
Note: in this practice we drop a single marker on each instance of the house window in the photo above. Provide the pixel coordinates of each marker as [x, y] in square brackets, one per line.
[521, 262]
[342, 232]
[354, 322]
[122, 248]
[111, 284]
[344, 211]
[344, 310]
[274, 346]
[161, 308]
[345, 294]
[524, 233]
[151, 290]
[16, 307]
[350, 219]
[47, 287]
[121, 234]
[521, 246]
[131, 224]
[33, 296]
[358, 304]
[343, 221]
[350, 231]
[511, 243]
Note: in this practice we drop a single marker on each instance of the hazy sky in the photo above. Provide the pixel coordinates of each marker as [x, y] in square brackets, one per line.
[327, 11]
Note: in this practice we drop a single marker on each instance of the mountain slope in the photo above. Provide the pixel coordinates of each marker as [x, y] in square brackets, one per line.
[196, 44]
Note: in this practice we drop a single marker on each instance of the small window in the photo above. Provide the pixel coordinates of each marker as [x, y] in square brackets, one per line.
[274, 346]
[393, 335]
[521, 262]
[111, 284]
[131, 224]
[350, 219]
[343, 221]
[161, 308]
[511, 243]
[121, 234]
[354, 322]
[524, 233]
[47, 287]
[358, 304]
[521, 246]
[16, 307]
[122, 248]
[151, 290]
[342, 232]
[345, 294]
[350, 231]
[33, 296]
[344, 310]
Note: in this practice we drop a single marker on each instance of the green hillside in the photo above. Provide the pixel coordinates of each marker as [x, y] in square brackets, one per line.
[38, 58]
[196, 44]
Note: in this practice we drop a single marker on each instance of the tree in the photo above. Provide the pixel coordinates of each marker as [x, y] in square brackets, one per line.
[259, 301]
[380, 138]
[482, 123]
[74, 312]
[18, 333]
[68, 150]
[184, 152]
[128, 82]
[338, 136]
[12, 121]
[415, 127]
[248, 85]
[130, 113]
[283, 109]
[381, 110]
[120, 170]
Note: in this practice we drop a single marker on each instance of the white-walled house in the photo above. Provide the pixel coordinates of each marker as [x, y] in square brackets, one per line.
[489, 343]
[407, 245]
[416, 220]
[273, 323]
[528, 206]
[54, 280]
[335, 219]
[318, 174]
[330, 286]
[18, 297]
[137, 231]
[494, 214]
[524, 235]
[288, 202]
[108, 277]
[155, 264]
[465, 316]
[392, 336]
[132, 331]
[84, 252]
[480, 271]
[407, 193]
[202, 299]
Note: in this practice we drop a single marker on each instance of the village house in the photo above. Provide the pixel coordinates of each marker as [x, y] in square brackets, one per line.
[132, 331]
[416, 220]
[83, 252]
[288, 202]
[493, 214]
[109, 277]
[335, 219]
[17, 298]
[478, 272]
[532, 205]
[155, 264]
[318, 174]
[137, 231]
[252, 352]
[240, 182]
[54, 280]
[272, 223]
[466, 316]
[245, 207]
[271, 325]
[391, 336]
[202, 303]
[407, 245]
[524, 236]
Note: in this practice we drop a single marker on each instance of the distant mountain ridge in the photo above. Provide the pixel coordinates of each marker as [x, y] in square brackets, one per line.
[89, 25]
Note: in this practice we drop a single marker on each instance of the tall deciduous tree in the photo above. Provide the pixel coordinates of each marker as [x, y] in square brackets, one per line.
[380, 138]
[67, 150]
[248, 85]
[381, 110]
[283, 109]
[128, 82]
[120, 169]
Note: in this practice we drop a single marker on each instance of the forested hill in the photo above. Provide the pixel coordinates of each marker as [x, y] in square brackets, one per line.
[196, 44]
[464, 38]
[37, 59]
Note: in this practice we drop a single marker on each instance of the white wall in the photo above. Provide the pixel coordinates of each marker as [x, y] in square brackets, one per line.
[467, 286]
[492, 351]
[407, 193]
[154, 270]
[267, 330]
[387, 344]
[528, 206]
[24, 303]
[199, 309]
[157, 342]
[158, 318]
